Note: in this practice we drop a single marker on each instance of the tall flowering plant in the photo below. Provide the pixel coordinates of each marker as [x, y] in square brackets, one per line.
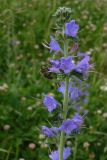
[70, 68]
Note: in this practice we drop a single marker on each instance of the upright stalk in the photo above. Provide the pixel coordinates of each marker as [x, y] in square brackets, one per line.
[65, 109]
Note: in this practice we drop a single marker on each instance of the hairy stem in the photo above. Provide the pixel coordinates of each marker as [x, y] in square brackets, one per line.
[61, 145]
[65, 110]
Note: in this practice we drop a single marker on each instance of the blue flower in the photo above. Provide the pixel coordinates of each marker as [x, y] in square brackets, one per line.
[54, 46]
[75, 93]
[66, 153]
[71, 125]
[55, 129]
[67, 126]
[78, 120]
[80, 54]
[55, 66]
[71, 28]
[55, 154]
[49, 132]
[66, 64]
[50, 103]
[83, 66]
[61, 89]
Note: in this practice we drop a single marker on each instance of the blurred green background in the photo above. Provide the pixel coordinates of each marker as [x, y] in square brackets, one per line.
[24, 25]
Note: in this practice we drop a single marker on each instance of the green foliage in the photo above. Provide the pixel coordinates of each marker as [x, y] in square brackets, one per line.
[24, 25]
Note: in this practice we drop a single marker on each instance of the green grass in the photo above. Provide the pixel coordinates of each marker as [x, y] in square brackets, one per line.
[24, 25]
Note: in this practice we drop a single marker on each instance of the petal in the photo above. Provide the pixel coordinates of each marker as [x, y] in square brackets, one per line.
[71, 28]
[54, 46]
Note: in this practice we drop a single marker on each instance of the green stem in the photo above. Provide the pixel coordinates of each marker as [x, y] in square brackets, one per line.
[61, 145]
[65, 103]
[65, 110]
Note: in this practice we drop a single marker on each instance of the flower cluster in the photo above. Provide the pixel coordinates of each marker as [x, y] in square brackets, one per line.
[50, 103]
[77, 90]
[71, 125]
[55, 154]
[69, 64]
[74, 67]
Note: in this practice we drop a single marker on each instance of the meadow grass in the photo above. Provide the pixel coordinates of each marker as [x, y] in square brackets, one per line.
[24, 25]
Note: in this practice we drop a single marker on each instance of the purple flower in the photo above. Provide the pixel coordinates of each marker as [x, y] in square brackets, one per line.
[55, 154]
[47, 131]
[55, 66]
[67, 126]
[71, 125]
[50, 132]
[66, 153]
[75, 93]
[80, 54]
[78, 108]
[71, 28]
[83, 65]
[50, 103]
[66, 64]
[77, 119]
[55, 129]
[61, 89]
[85, 101]
[54, 46]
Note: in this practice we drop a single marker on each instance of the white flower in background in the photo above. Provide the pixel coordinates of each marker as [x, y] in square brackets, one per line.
[43, 145]
[105, 115]
[41, 136]
[4, 87]
[86, 145]
[104, 87]
[6, 127]
[99, 111]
